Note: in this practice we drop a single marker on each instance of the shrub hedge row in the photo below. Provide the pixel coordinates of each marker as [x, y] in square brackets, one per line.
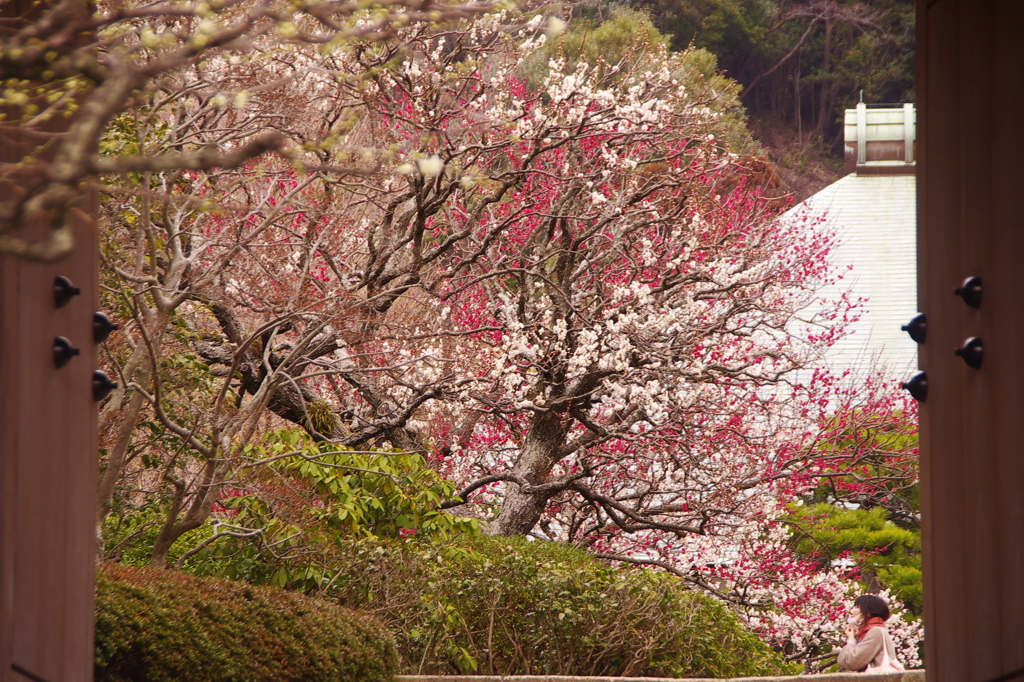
[156, 625]
[511, 606]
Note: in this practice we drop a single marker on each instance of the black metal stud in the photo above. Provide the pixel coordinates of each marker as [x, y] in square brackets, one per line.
[918, 386]
[970, 291]
[101, 385]
[63, 351]
[917, 328]
[972, 351]
[64, 291]
[102, 326]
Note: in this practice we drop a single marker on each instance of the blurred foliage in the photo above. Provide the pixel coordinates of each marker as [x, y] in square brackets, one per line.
[726, 27]
[158, 625]
[626, 37]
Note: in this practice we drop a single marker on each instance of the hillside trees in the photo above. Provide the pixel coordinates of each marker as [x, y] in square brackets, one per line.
[840, 49]
[802, 61]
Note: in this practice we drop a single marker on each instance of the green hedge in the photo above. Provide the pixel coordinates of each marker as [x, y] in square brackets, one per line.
[157, 625]
[511, 606]
[542, 607]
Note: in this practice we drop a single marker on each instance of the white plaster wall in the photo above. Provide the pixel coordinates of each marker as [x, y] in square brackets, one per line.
[875, 219]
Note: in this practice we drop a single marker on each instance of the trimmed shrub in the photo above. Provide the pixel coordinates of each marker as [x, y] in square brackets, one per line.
[154, 625]
[511, 606]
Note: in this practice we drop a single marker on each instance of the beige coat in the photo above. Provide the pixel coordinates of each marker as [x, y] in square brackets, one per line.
[858, 655]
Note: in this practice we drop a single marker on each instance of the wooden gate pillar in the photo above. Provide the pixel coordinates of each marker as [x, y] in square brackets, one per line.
[47, 469]
[971, 164]
[48, 439]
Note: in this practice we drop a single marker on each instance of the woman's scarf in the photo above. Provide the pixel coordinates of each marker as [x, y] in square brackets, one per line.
[874, 622]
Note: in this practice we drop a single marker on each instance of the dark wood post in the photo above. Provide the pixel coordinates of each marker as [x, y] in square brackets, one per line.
[48, 465]
[970, 97]
[47, 450]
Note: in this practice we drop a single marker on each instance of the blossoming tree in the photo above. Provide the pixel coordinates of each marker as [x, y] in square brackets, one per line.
[561, 287]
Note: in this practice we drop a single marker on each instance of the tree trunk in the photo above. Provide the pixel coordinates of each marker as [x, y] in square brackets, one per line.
[199, 510]
[826, 80]
[115, 460]
[796, 107]
[520, 511]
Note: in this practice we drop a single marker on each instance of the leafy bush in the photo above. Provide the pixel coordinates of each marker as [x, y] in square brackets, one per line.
[305, 493]
[469, 603]
[158, 625]
[511, 606]
[384, 495]
[364, 530]
[518, 607]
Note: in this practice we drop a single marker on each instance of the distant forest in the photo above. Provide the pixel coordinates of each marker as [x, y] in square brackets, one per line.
[801, 63]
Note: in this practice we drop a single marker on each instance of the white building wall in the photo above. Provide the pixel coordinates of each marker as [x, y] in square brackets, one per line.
[874, 217]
